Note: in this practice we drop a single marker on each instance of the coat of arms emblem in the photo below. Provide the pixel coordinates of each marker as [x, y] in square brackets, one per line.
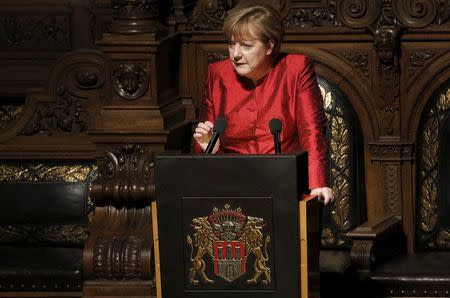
[228, 237]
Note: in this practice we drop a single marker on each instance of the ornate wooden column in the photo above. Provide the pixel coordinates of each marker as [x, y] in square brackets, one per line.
[117, 258]
[142, 102]
[140, 108]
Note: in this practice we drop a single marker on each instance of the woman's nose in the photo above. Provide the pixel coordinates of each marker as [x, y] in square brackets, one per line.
[236, 54]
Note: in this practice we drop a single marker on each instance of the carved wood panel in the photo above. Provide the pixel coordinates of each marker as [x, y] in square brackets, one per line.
[405, 48]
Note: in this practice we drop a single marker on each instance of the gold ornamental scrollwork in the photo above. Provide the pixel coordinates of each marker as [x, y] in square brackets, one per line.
[429, 233]
[339, 152]
[43, 172]
[38, 172]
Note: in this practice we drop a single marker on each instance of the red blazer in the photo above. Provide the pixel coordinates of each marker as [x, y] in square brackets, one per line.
[288, 92]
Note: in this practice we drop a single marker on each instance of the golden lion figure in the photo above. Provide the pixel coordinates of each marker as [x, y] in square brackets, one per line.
[204, 239]
[253, 239]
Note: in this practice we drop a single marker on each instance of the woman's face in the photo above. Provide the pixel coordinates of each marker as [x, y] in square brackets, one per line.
[251, 58]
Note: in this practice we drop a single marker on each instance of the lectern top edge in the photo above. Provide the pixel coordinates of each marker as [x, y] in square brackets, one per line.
[169, 154]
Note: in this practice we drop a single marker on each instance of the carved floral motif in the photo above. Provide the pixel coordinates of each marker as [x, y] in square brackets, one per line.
[298, 18]
[360, 60]
[339, 152]
[35, 31]
[443, 12]
[429, 233]
[392, 191]
[391, 151]
[132, 9]
[125, 175]
[209, 14]
[68, 115]
[417, 59]
[8, 113]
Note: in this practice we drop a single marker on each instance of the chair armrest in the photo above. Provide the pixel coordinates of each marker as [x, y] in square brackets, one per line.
[376, 241]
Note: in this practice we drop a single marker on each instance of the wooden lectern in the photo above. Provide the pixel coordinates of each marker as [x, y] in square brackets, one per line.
[234, 226]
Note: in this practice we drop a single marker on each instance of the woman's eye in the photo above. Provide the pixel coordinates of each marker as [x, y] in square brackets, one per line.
[247, 46]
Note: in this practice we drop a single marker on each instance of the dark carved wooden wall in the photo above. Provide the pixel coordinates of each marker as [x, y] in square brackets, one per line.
[388, 57]
[121, 80]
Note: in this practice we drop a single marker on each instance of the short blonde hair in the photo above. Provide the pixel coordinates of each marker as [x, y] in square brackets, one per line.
[260, 21]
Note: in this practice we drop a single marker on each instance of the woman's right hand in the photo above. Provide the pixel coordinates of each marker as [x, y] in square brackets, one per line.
[203, 133]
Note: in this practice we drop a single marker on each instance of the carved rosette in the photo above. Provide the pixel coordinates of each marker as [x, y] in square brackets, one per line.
[136, 16]
[130, 80]
[416, 13]
[358, 13]
[429, 233]
[209, 14]
[125, 176]
[117, 258]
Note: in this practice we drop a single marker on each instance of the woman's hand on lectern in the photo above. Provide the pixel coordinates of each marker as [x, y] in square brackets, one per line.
[324, 193]
[203, 133]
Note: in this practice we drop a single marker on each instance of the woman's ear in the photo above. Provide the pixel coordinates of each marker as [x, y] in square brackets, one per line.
[270, 47]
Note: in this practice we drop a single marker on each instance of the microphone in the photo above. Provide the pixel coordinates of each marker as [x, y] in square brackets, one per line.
[275, 129]
[218, 129]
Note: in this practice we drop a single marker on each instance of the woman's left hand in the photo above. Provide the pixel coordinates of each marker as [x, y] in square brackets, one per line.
[325, 193]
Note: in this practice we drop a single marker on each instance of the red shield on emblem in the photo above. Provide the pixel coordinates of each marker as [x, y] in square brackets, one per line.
[229, 259]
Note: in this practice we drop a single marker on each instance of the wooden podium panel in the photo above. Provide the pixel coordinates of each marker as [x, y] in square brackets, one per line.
[228, 225]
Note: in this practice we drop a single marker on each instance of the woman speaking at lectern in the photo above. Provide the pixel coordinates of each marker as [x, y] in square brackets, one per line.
[257, 84]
